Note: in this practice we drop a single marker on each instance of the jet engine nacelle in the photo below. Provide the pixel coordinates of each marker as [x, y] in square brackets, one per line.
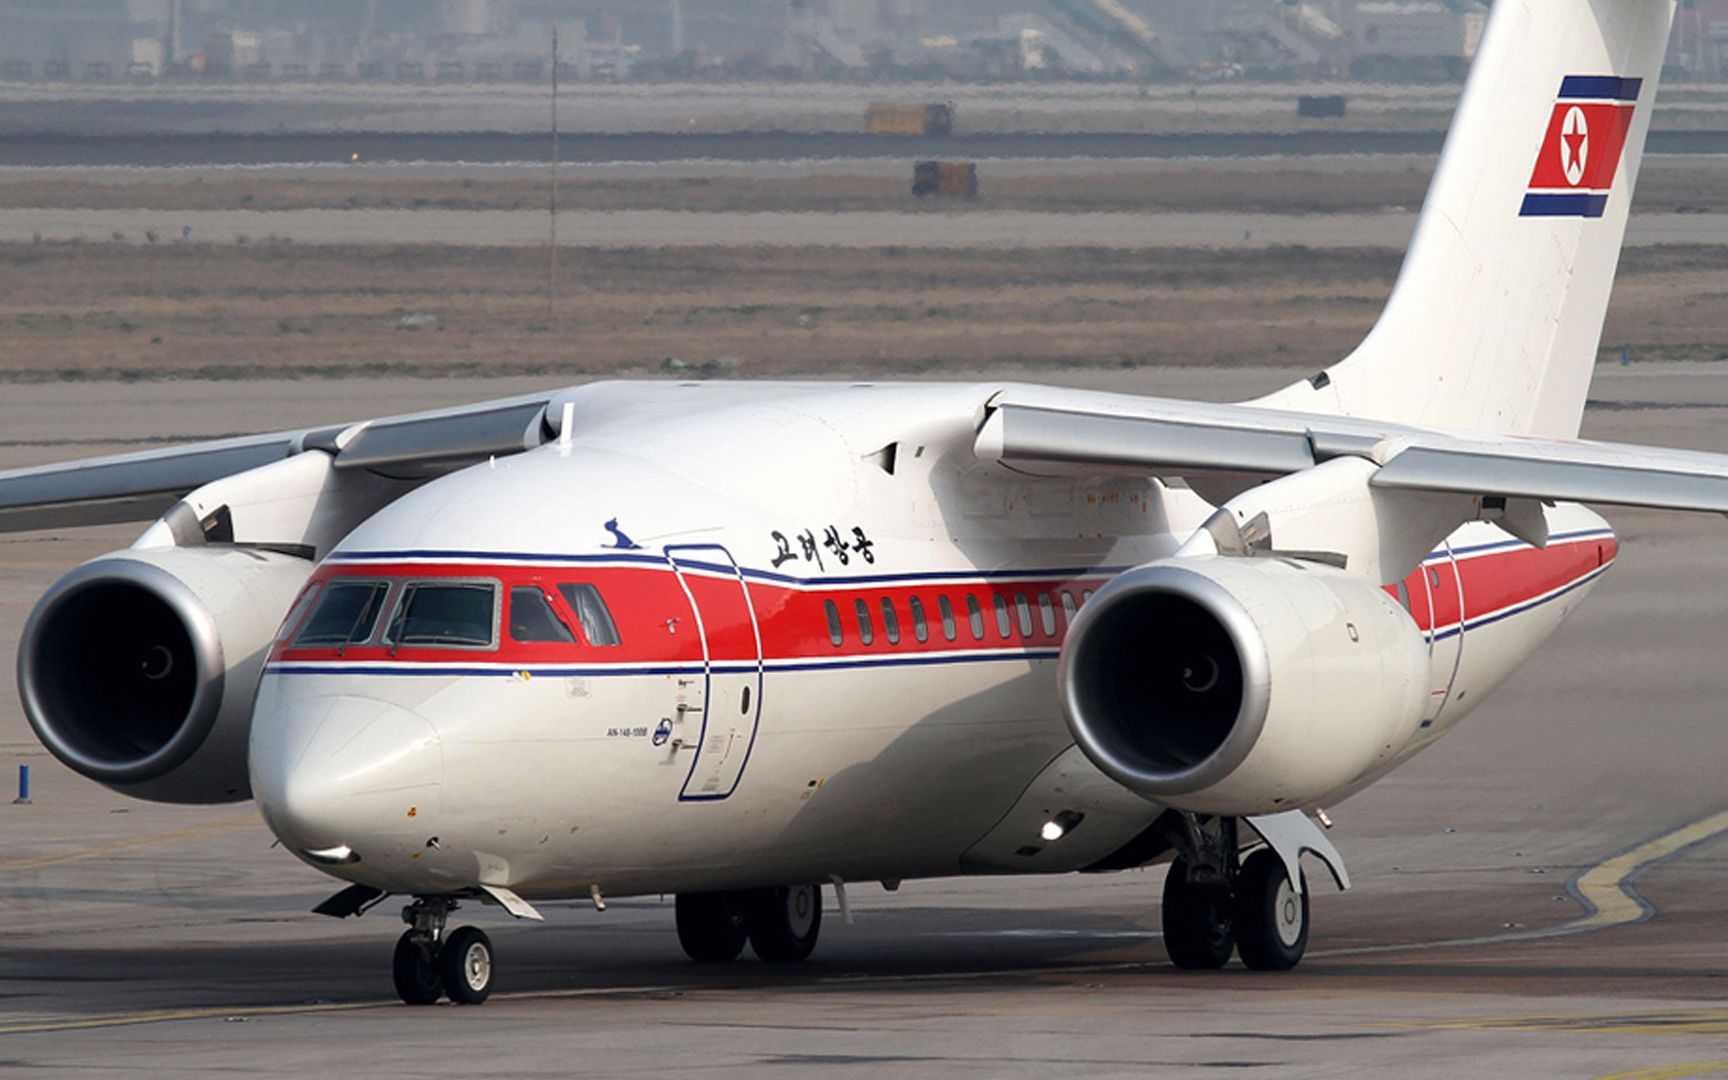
[1242, 685]
[138, 669]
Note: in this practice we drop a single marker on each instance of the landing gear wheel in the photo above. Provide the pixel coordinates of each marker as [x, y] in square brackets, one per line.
[712, 926]
[415, 969]
[1197, 931]
[784, 923]
[465, 961]
[1271, 919]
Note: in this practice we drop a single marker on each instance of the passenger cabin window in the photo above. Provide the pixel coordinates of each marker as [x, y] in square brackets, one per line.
[345, 614]
[1068, 607]
[836, 632]
[866, 632]
[1004, 624]
[920, 627]
[439, 614]
[590, 610]
[890, 621]
[1403, 596]
[975, 615]
[1047, 614]
[950, 628]
[532, 619]
[1024, 610]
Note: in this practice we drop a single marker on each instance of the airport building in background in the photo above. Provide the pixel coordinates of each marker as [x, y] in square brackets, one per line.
[481, 41]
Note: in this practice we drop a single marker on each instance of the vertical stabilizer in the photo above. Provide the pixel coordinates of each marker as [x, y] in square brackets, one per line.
[1496, 317]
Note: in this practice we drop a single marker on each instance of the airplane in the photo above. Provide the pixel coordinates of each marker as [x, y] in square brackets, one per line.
[744, 643]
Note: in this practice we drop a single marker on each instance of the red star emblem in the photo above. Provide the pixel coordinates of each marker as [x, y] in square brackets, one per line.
[1575, 144]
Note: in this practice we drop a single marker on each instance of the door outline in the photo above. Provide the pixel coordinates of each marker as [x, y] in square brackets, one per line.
[678, 559]
[1455, 640]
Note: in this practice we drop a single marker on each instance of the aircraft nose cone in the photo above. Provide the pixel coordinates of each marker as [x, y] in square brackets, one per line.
[346, 779]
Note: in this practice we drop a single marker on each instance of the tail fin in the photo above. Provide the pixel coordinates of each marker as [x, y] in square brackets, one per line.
[1496, 316]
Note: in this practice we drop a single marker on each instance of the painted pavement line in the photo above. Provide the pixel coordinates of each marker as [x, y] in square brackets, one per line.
[1669, 1072]
[1606, 889]
[110, 847]
[1597, 886]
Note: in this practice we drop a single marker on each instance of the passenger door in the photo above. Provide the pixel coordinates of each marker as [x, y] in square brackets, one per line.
[731, 697]
[1444, 588]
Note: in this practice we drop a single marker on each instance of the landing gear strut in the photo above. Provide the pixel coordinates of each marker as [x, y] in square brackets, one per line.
[427, 964]
[781, 924]
[1216, 903]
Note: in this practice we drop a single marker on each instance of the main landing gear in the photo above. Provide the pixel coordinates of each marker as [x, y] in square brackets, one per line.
[429, 964]
[780, 924]
[1216, 903]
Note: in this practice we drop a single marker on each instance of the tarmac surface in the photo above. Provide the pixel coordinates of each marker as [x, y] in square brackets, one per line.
[1539, 895]
[224, 148]
[43, 149]
[971, 229]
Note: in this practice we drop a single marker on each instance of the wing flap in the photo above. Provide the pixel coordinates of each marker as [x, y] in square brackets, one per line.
[1046, 439]
[1070, 432]
[1659, 483]
[417, 443]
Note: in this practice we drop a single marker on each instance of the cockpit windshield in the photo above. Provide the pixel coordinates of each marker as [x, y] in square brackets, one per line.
[345, 613]
[394, 612]
[460, 614]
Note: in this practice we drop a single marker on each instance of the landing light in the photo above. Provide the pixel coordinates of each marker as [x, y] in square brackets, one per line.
[1061, 825]
[340, 855]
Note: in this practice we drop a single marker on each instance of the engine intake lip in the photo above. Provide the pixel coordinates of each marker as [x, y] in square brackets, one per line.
[43, 698]
[1093, 624]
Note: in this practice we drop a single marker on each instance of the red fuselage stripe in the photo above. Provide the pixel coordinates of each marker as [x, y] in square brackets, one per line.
[657, 626]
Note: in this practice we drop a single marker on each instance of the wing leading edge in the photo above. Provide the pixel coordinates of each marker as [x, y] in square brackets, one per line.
[143, 486]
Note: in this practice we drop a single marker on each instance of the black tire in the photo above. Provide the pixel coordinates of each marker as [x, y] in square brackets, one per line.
[785, 922]
[1271, 920]
[415, 970]
[1197, 922]
[465, 962]
[712, 927]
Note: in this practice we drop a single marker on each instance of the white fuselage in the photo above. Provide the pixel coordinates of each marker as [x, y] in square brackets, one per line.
[741, 731]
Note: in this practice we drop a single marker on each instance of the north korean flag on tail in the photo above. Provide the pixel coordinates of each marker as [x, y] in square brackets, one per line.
[1580, 154]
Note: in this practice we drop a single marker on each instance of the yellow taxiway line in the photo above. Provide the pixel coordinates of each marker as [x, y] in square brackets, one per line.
[1607, 886]
[1606, 889]
[171, 836]
[84, 1023]
[1669, 1072]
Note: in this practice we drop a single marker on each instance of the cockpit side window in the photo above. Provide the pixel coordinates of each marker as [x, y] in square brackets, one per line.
[459, 614]
[590, 610]
[533, 620]
[297, 613]
[346, 613]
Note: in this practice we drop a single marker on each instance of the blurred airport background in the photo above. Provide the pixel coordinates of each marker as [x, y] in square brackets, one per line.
[501, 41]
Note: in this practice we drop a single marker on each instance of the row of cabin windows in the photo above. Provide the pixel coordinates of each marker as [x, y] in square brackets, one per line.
[1009, 615]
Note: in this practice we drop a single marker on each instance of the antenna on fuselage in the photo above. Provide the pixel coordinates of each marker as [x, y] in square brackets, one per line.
[567, 425]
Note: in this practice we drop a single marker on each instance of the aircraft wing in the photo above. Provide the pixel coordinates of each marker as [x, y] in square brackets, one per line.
[1043, 430]
[142, 486]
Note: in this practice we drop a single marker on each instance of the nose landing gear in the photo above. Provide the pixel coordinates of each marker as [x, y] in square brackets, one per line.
[427, 964]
